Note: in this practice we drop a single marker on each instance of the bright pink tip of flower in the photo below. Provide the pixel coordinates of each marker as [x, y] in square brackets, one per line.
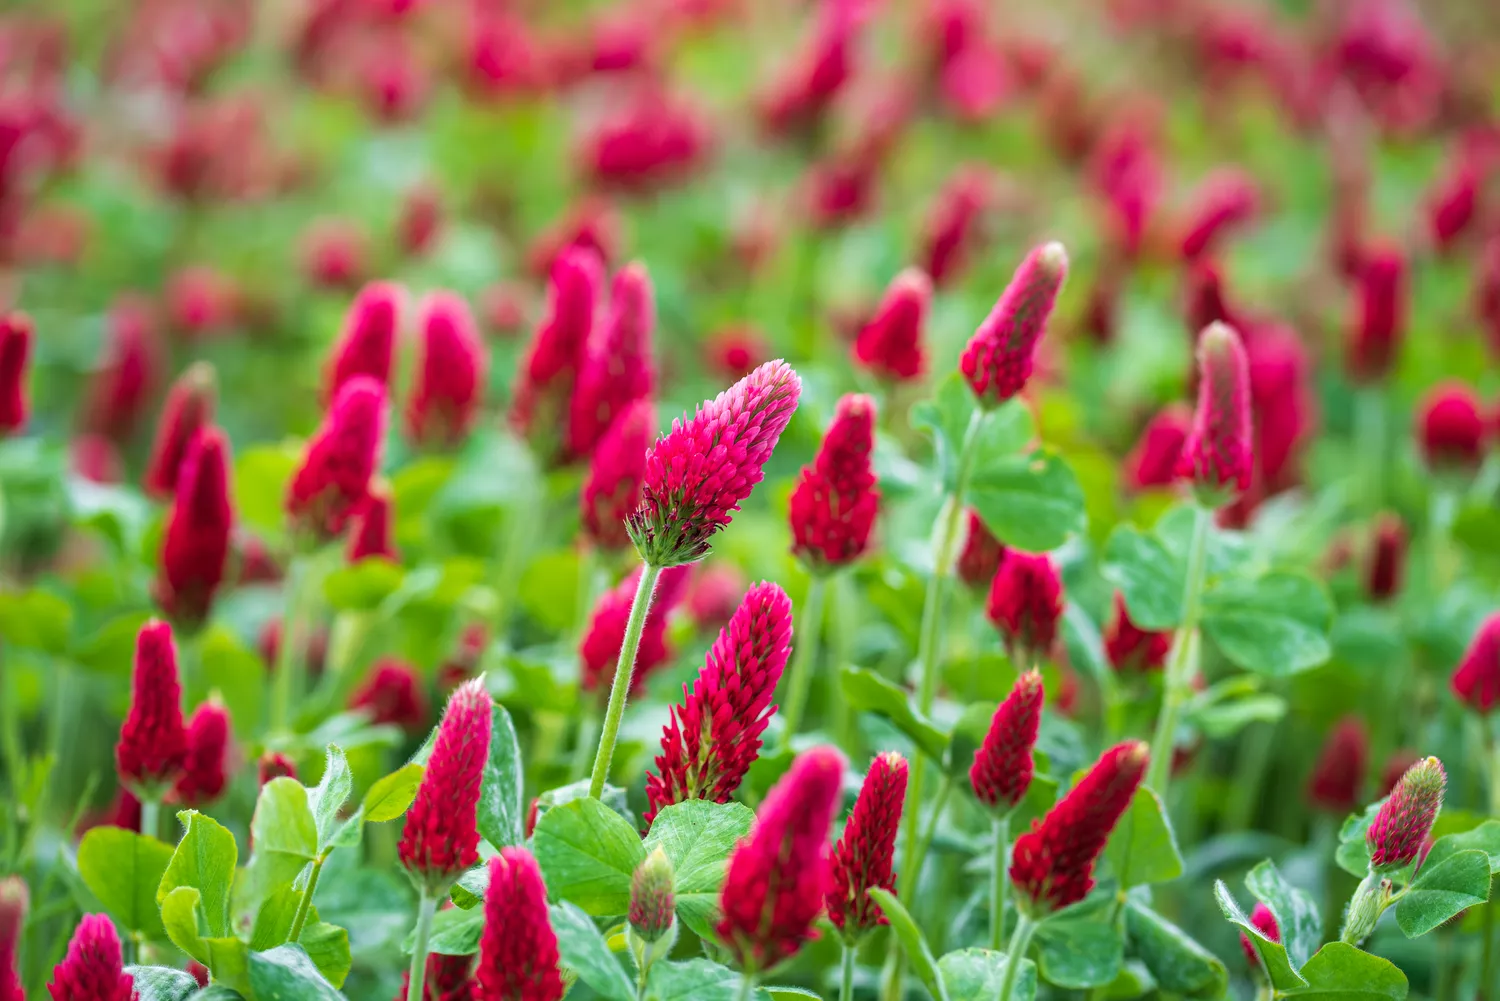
[981, 554]
[340, 458]
[1476, 680]
[1451, 431]
[1131, 649]
[698, 473]
[441, 836]
[205, 770]
[1404, 821]
[892, 345]
[392, 695]
[1025, 604]
[1338, 777]
[1218, 456]
[94, 968]
[452, 366]
[1225, 200]
[153, 738]
[617, 367]
[518, 959]
[189, 408]
[833, 506]
[1380, 313]
[15, 362]
[1052, 865]
[1154, 459]
[195, 548]
[367, 342]
[778, 876]
[714, 736]
[1002, 768]
[544, 384]
[371, 536]
[612, 489]
[862, 858]
[999, 357]
[599, 651]
[1264, 922]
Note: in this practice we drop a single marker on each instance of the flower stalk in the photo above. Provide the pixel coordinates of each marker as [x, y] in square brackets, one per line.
[426, 910]
[305, 905]
[1020, 941]
[624, 669]
[999, 880]
[1183, 662]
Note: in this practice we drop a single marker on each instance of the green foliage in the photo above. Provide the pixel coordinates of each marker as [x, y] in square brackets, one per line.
[698, 836]
[976, 975]
[919, 955]
[1441, 890]
[587, 853]
[123, 869]
[1143, 848]
[584, 951]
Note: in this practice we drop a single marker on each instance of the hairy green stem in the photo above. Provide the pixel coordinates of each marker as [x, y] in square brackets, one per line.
[286, 685]
[426, 908]
[1177, 685]
[807, 651]
[151, 815]
[846, 979]
[747, 986]
[999, 880]
[1020, 941]
[305, 904]
[624, 670]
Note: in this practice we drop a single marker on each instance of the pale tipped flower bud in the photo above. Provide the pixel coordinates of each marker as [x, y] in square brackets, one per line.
[1405, 819]
[652, 898]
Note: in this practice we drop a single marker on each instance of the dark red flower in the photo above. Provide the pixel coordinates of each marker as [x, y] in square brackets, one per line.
[1338, 776]
[833, 506]
[1487, 292]
[1218, 456]
[153, 740]
[440, 839]
[1453, 201]
[1283, 404]
[1450, 429]
[392, 694]
[1387, 564]
[452, 366]
[448, 979]
[189, 407]
[1206, 301]
[421, 221]
[1002, 768]
[617, 367]
[367, 341]
[518, 959]
[1154, 459]
[1131, 649]
[544, 384]
[15, 363]
[1225, 200]
[862, 858]
[334, 254]
[274, 765]
[800, 97]
[734, 352]
[341, 457]
[94, 968]
[1404, 821]
[599, 650]
[1476, 680]
[205, 771]
[612, 489]
[1025, 604]
[1265, 923]
[952, 229]
[979, 559]
[130, 369]
[195, 547]
[1380, 313]
[651, 138]
[371, 535]
[999, 357]
[201, 302]
[891, 344]
[591, 223]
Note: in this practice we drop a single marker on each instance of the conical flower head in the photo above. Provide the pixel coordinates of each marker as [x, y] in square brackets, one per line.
[1476, 680]
[15, 363]
[94, 968]
[1153, 461]
[981, 553]
[998, 360]
[1451, 432]
[452, 366]
[891, 346]
[612, 489]
[544, 384]
[205, 769]
[1338, 777]
[599, 650]
[392, 695]
[518, 956]
[371, 535]
[334, 477]
[1025, 603]
[653, 896]
[617, 367]
[1002, 768]
[1380, 313]
[1265, 922]
[1387, 563]
[778, 875]
[14, 899]
[1052, 865]
[441, 836]
[712, 739]
[367, 343]
[195, 548]
[188, 409]
[1218, 456]
[833, 506]
[1405, 819]
[153, 739]
[1131, 649]
[698, 473]
[862, 860]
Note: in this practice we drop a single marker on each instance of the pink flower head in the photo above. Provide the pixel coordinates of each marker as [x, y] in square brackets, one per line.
[833, 506]
[334, 254]
[1131, 649]
[15, 361]
[713, 737]
[1224, 201]
[617, 367]
[1125, 167]
[862, 858]
[1450, 429]
[735, 351]
[1283, 404]
[14, 900]
[1217, 456]
[1154, 459]
[1052, 865]
[1265, 922]
[1476, 680]
[451, 369]
[952, 229]
[1387, 563]
[1404, 821]
[612, 489]
[800, 97]
[599, 651]
[441, 836]
[205, 771]
[130, 370]
[95, 458]
[371, 534]
[392, 695]
[201, 302]
[189, 407]
[153, 740]
[651, 139]
[1380, 313]
[840, 189]
[716, 591]
[1025, 604]
[544, 384]
[778, 876]
[341, 457]
[998, 359]
[979, 559]
[698, 473]
[94, 968]
[1338, 776]
[367, 342]
[195, 548]
[518, 959]
[1002, 768]
[1453, 201]
[1206, 301]
[592, 223]
[274, 765]
[891, 344]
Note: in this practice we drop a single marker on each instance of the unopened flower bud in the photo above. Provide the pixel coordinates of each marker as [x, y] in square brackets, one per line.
[652, 899]
[1406, 817]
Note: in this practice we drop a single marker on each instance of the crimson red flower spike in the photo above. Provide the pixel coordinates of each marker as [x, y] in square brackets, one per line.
[371, 537]
[1265, 922]
[205, 770]
[1283, 404]
[420, 224]
[980, 555]
[1404, 821]
[802, 94]
[1225, 200]
[518, 958]
[1206, 301]
[612, 489]
[651, 138]
[334, 477]
[599, 649]
[1380, 313]
[367, 343]
[392, 695]
[1025, 604]
[952, 229]
[1153, 461]
[1387, 564]
[617, 367]
[1338, 777]
[441, 838]
[713, 737]
[94, 968]
[195, 547]
[153, 740]
[998, 359]
[1453, 201]
[544, 384]
[1052, 865]
[452, 367]
[1131, 649]
[1002, 768]
[698, 473]
[14, 900]
[778, 875]
[862, 860]
[15, 362]
[833, 506]
[892, 345]
[121, 388]
[1451, 432]
[1476, 680]
[1217, 455]
[188, 408]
